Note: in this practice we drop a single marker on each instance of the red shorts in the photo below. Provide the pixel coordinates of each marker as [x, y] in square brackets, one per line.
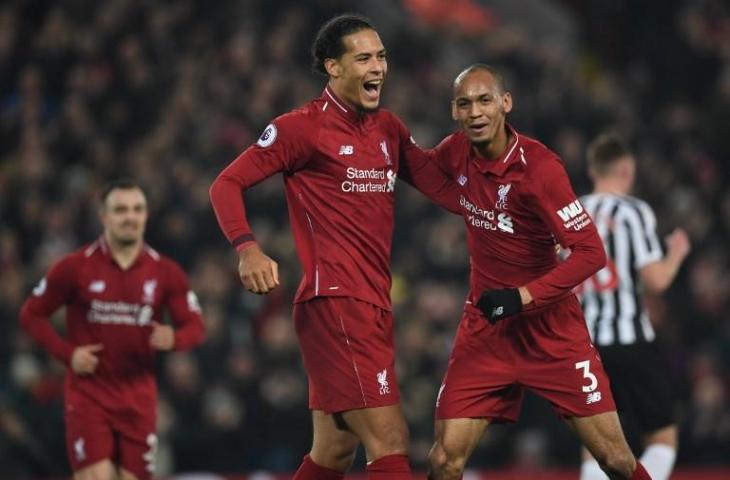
[94, 433]
[547, 350]
[347, 347]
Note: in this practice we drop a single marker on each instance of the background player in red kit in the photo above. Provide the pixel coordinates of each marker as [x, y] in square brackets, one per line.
[522, 326]
[340, 156]
[115, 291]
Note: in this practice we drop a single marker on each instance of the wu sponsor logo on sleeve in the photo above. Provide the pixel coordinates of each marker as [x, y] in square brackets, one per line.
[570, 211]
[383, 381]
[574, 216]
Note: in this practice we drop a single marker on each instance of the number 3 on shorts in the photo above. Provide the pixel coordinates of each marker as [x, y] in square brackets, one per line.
[586, 366]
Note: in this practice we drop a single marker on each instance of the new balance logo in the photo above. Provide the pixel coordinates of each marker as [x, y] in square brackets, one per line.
[593, 398]
[570, 211]
[97, 286]
[383, 381]
[347, 150]
[462, 180]
[497, 311]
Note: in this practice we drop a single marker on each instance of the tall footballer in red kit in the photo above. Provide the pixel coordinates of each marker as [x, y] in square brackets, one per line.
[340, 157]
[522, 326]
[115, 291]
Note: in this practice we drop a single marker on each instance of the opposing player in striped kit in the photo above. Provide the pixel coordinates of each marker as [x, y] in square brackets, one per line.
[612, 301]
[522, 326]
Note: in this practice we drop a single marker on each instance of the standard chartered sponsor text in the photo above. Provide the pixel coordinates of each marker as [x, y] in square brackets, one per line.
[119, 313]
[354, 174]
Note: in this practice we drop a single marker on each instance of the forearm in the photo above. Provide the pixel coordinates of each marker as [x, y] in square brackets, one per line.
[189, 336]
[585, 260]
[42, 332]
[226, 196]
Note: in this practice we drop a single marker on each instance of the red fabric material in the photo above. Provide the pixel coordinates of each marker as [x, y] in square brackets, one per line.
[547, 351]
[390, 467]
[516, 208]
[640, 473]
[115, 308]
[340, 171]
[309, 470]
[347, 347]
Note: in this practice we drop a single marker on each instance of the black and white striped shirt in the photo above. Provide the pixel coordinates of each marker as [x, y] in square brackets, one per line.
[612, 298]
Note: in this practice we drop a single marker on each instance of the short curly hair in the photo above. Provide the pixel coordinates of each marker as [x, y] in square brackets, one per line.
[328, 42]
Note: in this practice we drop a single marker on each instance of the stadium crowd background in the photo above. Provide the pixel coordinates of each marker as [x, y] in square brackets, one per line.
[170, 91]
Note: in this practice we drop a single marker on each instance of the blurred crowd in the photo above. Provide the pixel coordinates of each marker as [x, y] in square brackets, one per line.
[170, 91]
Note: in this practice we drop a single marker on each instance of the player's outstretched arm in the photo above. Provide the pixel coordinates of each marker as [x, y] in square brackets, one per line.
[657, 276]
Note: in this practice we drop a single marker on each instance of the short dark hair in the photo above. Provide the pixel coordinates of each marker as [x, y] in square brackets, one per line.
[120, 184]
[604, 151]
[498, 77]
[328, 42]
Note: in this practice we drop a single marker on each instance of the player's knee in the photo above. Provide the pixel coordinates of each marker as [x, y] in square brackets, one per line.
[95, 472]
[337, 456]
[445, 463]
[617, 463]
[392, 440]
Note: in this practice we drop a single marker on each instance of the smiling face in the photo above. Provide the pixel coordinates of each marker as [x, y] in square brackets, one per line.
[124, 216]
[480, 106]
[357, 76]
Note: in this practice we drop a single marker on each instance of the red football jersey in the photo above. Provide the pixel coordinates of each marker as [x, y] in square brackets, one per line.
[116, 308]
[340, 169]
[516, 208]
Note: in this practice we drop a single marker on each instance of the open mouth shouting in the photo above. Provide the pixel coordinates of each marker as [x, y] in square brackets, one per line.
[371, 90]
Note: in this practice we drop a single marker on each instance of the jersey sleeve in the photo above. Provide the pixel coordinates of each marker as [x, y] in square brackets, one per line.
[184, 308]
[285, 146]
[645, 242]
[572, 226]
[53, 291]
[421, 170]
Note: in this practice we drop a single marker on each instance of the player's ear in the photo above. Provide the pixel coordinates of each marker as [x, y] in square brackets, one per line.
[507, 102]
[333, 67]
[453, 110]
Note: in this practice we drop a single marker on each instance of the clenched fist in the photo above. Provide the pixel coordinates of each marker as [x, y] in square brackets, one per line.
[84, 359]
[259, 273]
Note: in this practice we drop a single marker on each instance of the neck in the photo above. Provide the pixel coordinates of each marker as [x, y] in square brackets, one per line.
[123, 254]
[610, 185]
[340, 97]
[497, 146]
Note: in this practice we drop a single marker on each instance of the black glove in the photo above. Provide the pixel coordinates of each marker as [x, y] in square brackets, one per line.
[497, 304]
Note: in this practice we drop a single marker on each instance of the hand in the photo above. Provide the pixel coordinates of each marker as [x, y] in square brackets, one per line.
[84, 359]
[678, 245]
[258, 272]
[497, 304]
[163, 337]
